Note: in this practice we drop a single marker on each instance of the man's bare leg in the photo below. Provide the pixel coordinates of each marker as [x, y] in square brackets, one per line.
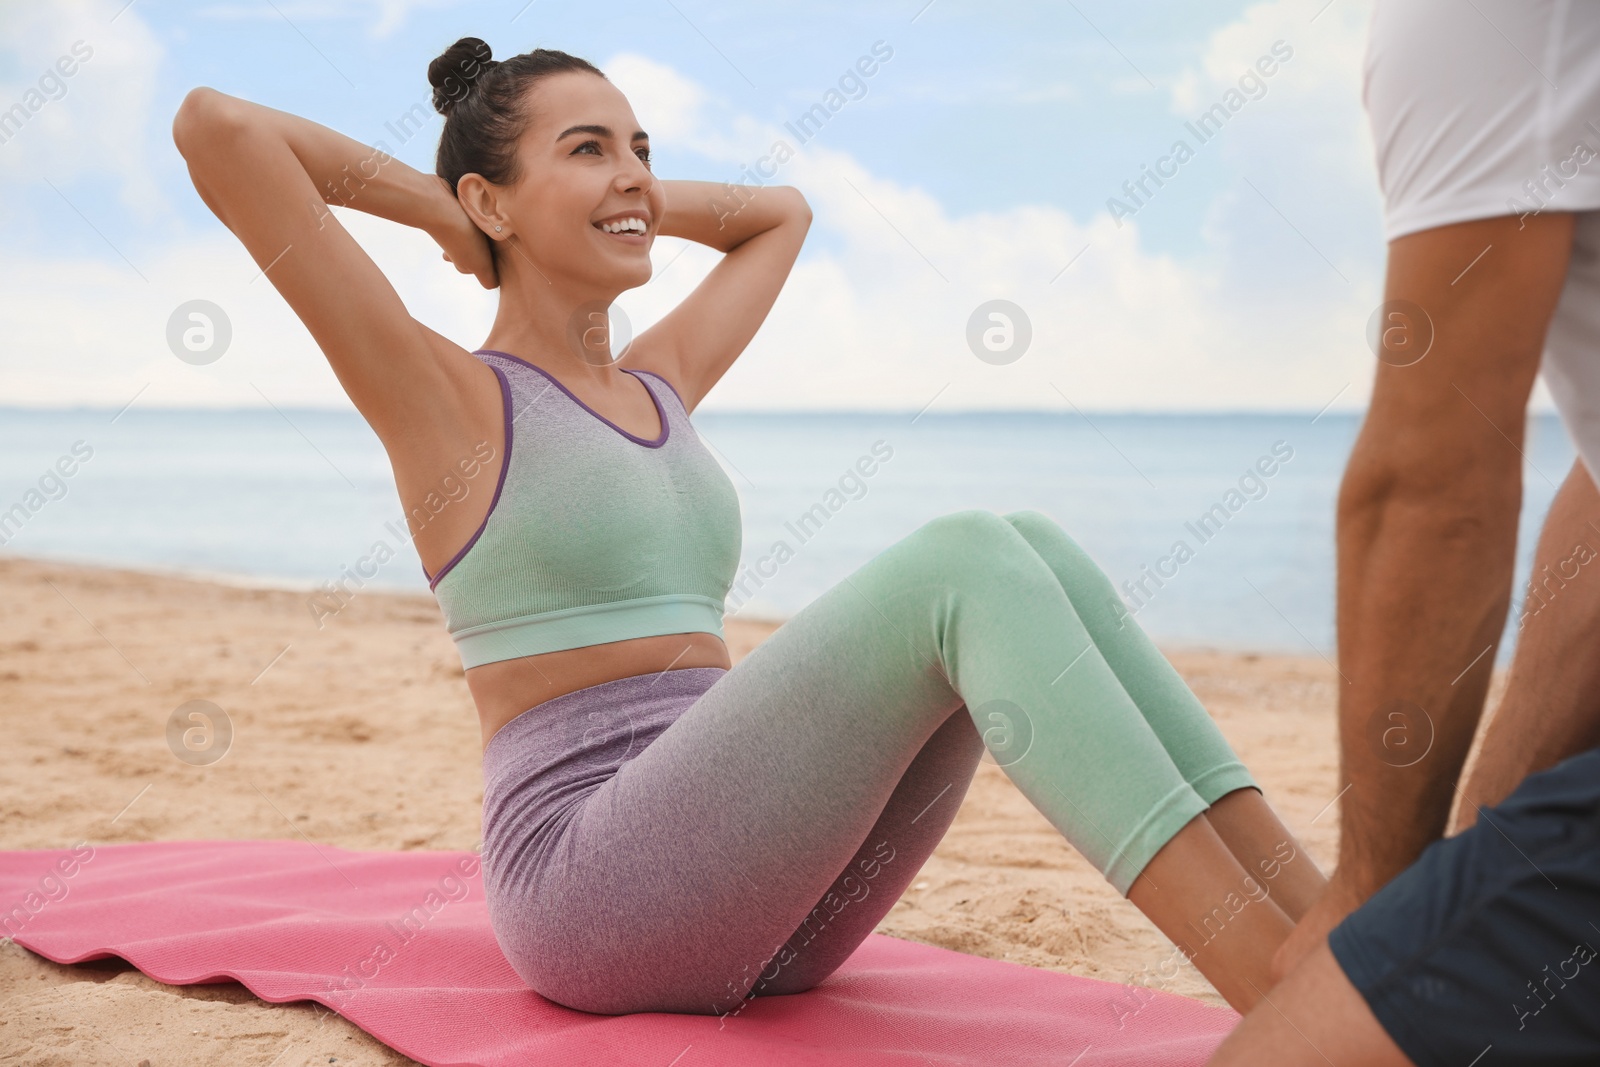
[1551, 708]
[1313, 1018]
[1426, 540]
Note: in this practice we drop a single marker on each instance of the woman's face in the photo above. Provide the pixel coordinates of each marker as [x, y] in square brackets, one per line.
[583, 161]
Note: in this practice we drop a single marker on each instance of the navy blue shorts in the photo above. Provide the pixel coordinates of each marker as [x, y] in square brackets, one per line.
[1486, 951]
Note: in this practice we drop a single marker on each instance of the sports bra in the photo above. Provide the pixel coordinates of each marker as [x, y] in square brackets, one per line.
[593, 534]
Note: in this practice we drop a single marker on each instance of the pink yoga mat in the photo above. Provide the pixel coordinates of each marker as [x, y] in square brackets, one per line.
[399, 943]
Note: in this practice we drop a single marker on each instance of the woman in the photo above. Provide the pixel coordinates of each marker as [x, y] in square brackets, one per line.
[663, 831]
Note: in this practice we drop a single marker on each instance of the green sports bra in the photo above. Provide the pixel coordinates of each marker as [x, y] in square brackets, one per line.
[593, 534]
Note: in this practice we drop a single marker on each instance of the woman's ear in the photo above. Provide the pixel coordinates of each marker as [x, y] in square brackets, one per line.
[480, 201]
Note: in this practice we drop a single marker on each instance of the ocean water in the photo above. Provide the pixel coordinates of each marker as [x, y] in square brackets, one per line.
[299, 497]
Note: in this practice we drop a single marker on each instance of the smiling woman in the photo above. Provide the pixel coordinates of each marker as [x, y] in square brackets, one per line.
[544, 190]
[646, 801]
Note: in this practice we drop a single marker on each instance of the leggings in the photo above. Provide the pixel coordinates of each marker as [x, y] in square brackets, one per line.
[685, 840]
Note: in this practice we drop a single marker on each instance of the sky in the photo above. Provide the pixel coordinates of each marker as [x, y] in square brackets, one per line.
[988, 157]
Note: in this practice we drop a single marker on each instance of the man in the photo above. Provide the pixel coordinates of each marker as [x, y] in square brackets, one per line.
[1482, 116]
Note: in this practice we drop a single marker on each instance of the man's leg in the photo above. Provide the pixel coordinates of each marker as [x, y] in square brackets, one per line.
[1426, 539]
[1312, 1018]
[1551, 707]
[1481, 952]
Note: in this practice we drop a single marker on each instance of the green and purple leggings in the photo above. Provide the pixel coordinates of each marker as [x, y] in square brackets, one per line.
[681, 841]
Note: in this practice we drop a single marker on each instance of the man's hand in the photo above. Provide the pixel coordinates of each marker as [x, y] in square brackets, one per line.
[1337, 901]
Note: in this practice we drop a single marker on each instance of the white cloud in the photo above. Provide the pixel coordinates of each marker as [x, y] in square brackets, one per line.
[869, 323]
[387, 15]
[875, 313]
[100, 122]
[105, 351]
[1306, 148]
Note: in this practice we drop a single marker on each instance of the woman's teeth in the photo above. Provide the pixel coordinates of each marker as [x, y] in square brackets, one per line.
[624, 226]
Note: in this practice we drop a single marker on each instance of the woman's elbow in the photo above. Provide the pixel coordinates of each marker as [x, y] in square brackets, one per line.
[801, 208]
[204, 113]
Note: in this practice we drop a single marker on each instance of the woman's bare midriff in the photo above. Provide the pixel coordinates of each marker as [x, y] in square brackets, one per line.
[510, 687]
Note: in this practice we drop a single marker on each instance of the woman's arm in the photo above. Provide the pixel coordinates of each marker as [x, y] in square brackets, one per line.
[270, 176]
[760, 229]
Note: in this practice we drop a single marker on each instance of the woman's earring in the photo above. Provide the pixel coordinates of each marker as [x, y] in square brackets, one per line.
[497, 229]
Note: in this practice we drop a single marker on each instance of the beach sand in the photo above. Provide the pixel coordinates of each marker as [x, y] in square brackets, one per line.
[362, 734]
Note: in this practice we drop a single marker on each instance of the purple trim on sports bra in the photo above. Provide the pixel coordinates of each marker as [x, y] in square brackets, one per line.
[669, 385]
[666, 425]
[505, 465]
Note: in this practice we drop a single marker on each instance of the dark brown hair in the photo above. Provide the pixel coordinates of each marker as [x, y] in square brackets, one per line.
[485, 106]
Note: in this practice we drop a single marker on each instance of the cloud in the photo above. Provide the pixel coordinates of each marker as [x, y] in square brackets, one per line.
[876, 313]
[387, 16]
[100, 125]
[106, 352]
[1306, 207]
[1296, 228]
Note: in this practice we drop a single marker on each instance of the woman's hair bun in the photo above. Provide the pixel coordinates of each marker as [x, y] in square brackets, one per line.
[453, 74]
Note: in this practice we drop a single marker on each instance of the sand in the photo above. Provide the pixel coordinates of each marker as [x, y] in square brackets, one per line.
[362, 734]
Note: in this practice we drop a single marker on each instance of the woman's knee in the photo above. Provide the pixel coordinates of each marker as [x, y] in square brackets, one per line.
[1074, 568]
[1029, 519]
[973, 535]
[1048, 538]
[974, 551]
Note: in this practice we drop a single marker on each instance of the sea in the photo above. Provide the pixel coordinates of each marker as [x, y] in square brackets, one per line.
[1216, 529]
